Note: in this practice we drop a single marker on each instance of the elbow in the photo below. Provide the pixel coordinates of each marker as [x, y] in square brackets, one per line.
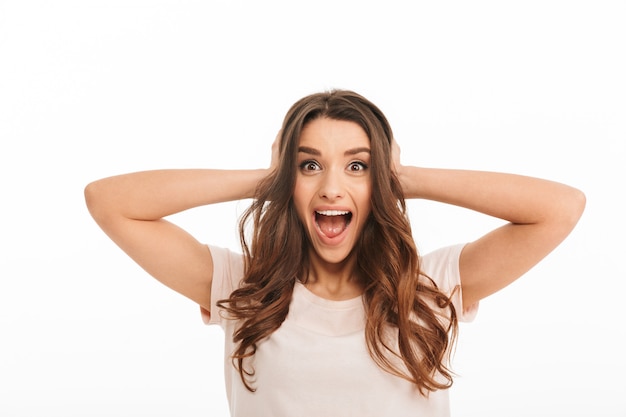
[571, 209]
[95, 201]
[577, 205]
[90, 196]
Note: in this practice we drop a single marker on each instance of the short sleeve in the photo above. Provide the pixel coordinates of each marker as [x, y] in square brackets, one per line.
[227, 274]
[442, 265]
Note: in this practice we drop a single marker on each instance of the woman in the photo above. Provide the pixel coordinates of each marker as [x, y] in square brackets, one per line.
[330, 310]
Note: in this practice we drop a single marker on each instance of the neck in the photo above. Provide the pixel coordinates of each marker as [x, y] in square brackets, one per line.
[333, 281]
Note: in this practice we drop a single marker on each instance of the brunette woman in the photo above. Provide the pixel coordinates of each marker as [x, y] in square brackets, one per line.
[330, 310]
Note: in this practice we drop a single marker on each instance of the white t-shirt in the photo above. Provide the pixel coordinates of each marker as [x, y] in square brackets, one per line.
[317, 362]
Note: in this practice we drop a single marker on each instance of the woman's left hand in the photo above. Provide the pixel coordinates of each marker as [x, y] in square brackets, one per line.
[396, 166]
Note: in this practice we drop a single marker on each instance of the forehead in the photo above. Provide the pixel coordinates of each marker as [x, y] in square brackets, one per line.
[326, 132]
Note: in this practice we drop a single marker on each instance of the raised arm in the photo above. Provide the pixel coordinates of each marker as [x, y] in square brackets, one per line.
[130, 209]
[540, 215]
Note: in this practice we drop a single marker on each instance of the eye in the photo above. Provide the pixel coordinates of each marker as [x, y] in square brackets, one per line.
[357, 166]
[309, 165]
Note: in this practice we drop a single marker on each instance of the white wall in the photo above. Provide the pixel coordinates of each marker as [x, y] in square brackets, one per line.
[95, 88]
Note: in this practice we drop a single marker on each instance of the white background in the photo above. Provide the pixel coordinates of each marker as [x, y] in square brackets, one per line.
[95, 88]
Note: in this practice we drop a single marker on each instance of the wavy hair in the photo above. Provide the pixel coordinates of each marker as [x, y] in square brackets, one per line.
[407, 331]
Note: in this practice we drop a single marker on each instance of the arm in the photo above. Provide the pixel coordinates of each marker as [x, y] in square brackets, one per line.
[130, 209]
[540, 215]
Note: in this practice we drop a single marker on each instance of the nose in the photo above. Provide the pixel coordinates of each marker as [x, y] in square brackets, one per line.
[331, 186]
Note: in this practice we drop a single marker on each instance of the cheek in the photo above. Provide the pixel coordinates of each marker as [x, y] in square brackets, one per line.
[365, 200]
[300, 200]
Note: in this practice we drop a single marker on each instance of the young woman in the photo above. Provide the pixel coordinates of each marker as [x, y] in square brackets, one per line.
[330, 310]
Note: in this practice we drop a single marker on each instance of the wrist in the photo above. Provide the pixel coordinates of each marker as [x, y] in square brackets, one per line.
[409, 180]
[254, 178]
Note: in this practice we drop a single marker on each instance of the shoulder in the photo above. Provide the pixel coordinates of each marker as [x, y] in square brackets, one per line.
[222, 254]
[228, 271]
[227, 264]
[442, 265]
[228, 268]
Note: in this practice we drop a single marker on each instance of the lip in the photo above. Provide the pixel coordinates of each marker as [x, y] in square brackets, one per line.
[336, 240]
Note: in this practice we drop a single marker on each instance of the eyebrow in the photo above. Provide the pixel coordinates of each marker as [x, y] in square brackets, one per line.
[353, 151]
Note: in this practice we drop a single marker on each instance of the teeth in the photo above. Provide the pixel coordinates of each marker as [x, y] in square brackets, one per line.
[332, 212]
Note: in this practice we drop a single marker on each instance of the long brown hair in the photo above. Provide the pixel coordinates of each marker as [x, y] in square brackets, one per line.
[407, 331]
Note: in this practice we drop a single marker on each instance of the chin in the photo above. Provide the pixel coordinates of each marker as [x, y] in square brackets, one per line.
[334, 256]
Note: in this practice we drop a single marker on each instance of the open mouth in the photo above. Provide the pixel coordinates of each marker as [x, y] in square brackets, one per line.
[332, 222]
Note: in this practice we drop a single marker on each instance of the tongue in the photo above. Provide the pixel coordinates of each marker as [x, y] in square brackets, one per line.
[331, 226]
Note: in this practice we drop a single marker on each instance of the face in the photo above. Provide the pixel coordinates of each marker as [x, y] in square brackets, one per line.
[333, 187]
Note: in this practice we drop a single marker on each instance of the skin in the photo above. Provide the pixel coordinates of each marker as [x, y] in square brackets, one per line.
[540, 214]
[333, 161]
[131, 208]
